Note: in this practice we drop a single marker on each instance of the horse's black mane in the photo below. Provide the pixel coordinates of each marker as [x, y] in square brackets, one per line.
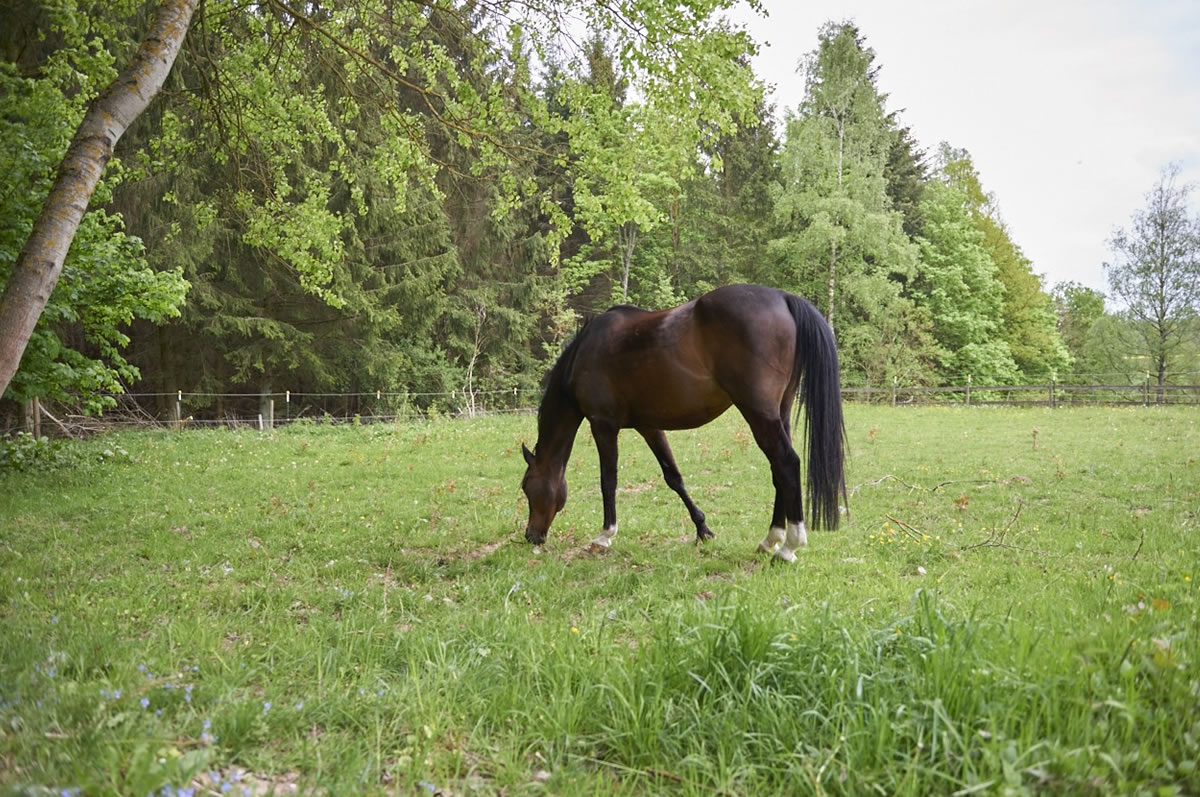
[555, 380]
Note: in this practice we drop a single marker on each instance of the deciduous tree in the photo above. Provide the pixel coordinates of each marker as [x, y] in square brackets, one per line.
[1155, 274]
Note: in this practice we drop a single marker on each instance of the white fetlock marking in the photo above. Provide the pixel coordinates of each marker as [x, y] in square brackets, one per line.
[605, 539]
[772, 541]
[797, 537]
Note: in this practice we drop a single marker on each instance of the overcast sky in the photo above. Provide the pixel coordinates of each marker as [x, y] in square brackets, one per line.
[1069, 108]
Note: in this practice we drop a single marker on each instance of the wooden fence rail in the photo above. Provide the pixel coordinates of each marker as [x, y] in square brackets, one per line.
[266, 410]
[1052, 394]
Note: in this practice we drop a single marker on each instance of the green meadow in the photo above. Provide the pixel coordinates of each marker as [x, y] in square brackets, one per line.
[1009, 607]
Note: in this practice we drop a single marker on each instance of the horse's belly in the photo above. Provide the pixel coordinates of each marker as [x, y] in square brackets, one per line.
[678, 420]
[675, 405]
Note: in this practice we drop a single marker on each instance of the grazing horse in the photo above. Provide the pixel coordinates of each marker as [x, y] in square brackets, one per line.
[743, 345]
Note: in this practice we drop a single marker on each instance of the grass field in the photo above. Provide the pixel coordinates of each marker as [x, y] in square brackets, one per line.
[1010, 607]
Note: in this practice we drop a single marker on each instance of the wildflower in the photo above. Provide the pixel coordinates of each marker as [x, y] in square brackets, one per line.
[299, 704]
[266, 706]
[574, 630]
[145, 701]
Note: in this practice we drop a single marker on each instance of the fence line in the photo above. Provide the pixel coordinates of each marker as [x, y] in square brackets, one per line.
[182, 409]
[1052, 394]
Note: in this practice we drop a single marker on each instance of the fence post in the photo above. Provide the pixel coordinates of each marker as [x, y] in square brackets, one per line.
[33, 417]
[287, 406]
[1053, 381]
[1146, 391]
[266, 409]
[968, 390]
[895, 380]
[178, 416]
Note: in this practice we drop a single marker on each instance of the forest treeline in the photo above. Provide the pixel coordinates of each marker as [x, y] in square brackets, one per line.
[362, 195]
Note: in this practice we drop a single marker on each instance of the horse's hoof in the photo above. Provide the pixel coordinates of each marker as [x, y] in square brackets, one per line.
[765, 547]
[784, 555]
[704, 535]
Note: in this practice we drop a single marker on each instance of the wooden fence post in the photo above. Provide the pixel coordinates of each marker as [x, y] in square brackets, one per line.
[266, 408]
[33, 417]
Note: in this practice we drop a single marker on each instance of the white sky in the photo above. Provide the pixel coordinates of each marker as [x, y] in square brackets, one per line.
[1069, 108]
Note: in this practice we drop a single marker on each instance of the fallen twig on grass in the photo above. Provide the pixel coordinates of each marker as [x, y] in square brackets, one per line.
[912, 531]
[996, 539]
[933, 489]
[882, 479]
[1141, 542]
[940, 485]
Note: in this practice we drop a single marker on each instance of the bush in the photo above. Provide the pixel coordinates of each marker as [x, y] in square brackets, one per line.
[23, 453]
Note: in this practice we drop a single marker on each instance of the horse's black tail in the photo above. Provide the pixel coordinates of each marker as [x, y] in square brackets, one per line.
[820, 391]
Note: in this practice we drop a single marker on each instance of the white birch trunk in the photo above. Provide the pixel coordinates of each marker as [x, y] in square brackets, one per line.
[40, 263]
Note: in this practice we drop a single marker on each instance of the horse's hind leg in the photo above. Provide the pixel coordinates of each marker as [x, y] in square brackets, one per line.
[783, 538]
[787, 532]
[657, 440]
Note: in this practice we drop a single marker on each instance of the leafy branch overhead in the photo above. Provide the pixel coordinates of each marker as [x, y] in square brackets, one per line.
[278, 96]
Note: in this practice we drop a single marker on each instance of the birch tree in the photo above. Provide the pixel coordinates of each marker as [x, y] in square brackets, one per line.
[40, 262]
[1155, 274]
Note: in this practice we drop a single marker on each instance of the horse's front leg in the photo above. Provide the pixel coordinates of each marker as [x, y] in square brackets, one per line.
[657, 440]
[605, 435]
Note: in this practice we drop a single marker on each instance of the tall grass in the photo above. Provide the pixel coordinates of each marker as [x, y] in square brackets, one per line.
[1010, 607]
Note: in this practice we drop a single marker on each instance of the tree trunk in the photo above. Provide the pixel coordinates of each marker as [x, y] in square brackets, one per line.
[40, 263]
[627, 240]
[832, 281]
[833, 245]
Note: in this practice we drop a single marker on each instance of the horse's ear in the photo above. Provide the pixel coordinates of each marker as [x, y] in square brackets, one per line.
[528, 454]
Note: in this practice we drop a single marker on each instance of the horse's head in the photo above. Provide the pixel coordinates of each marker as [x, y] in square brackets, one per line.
[545, 486]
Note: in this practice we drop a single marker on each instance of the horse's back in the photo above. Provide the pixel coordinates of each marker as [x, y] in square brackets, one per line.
[682, 367]
[646, 369]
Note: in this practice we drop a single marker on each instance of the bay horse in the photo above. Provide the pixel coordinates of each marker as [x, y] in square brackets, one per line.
[747, 346]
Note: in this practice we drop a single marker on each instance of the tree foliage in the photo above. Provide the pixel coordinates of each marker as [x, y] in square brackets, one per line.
[75, 352]
[1027, 321]
[364, 195]
[1155, 274]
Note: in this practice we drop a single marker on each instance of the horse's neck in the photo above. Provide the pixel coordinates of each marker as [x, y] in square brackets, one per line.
[558, 422]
